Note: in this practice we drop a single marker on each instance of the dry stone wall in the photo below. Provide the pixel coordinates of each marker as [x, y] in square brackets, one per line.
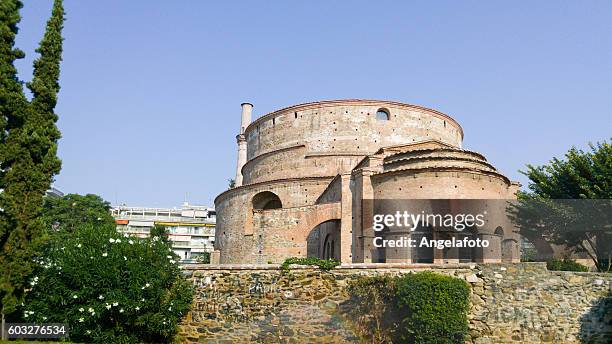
[510, 303]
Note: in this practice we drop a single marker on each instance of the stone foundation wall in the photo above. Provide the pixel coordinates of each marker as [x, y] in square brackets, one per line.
[520, 303]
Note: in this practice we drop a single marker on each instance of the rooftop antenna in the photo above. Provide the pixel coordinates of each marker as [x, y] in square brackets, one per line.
[185, 203]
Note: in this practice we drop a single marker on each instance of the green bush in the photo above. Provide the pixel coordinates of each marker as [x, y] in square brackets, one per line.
[108, 287]
[435, 308]
[414, 308]
[565, 264]
[323, 264]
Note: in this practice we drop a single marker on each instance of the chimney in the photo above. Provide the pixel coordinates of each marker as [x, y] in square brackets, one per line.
[247, 109]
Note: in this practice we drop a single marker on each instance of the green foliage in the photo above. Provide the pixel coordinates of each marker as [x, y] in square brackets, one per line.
[416, 308]
[581, 175]
[160, 232]
[203, 258]
[323, 264]
[109, 287]
[550, 210]
[28, 147]
[73, 210]
[436, 308]
[565, 264]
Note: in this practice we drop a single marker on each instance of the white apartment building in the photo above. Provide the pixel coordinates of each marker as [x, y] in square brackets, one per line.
[191, 228]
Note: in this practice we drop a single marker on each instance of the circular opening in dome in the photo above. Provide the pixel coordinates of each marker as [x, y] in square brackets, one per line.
[382, 115]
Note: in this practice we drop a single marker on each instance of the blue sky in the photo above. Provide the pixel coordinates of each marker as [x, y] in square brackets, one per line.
[151, 90]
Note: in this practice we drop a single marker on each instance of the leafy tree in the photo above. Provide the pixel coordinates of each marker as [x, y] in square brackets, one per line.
[28, 146]
[12, 108]
[160, 232]
[73, 210]
[108, 287]
[570, 203]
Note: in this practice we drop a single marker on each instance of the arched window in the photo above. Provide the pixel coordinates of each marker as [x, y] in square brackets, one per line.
[382, 115]
[499, 231]
[266, 200]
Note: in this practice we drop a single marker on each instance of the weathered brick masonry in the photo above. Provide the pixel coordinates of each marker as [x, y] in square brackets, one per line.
[510, 303]
[293, 163]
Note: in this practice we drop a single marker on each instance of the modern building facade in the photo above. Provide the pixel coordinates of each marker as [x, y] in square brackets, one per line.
[191, 228]
[305, 173]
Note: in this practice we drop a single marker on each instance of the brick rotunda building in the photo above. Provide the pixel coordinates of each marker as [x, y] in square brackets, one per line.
[305, 173]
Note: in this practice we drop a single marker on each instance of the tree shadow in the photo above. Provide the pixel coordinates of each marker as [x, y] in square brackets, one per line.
[596, 324]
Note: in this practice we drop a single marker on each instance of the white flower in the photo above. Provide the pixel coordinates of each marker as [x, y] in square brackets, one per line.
[44, 318]
[93, 313]
[99, 218]
[125, 235]
[169, 308]
[81, 309]
[142, 299]
[74, 296]
[79, 245]
[124, 258]
[88, 332]
[101, 297]
[172, 261]
[131, 242]
[147, 285]
[104, 254]
[115, 304]
[108, 306]
[118, 241]
[90, 310]
[81, 319]
[169, 257]
[121, 310]
[111, 240]
[137, 308]
[25, 315]
[164, 323]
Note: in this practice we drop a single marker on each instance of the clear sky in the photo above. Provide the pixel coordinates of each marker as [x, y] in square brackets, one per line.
[151, 90]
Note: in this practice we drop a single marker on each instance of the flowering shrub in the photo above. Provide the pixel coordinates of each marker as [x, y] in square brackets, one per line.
[109, 287]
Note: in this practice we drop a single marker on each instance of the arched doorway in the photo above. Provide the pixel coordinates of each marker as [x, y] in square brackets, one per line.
[323, 241]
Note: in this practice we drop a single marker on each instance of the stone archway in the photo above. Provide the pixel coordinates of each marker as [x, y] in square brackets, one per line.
[324, 240]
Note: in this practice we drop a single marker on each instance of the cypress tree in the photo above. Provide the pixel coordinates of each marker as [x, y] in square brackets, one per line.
[28, 160]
